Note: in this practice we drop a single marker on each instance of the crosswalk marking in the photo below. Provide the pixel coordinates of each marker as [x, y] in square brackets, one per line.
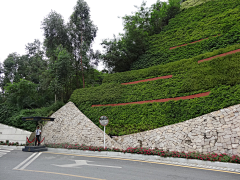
[27, 161]
[4, 151]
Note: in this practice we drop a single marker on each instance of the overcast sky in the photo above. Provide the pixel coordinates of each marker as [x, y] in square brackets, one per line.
[21, 20]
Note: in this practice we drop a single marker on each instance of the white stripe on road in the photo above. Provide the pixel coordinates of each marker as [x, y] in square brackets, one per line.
[7, 149]
[4, 151]
[25, 161]
[30, 161]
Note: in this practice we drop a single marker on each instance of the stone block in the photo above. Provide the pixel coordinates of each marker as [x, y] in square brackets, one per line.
[235, 145]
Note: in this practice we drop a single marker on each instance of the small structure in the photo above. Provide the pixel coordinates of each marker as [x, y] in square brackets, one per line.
[39, 120]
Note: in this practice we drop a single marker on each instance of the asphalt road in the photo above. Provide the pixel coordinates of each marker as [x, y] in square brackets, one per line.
[18, 165]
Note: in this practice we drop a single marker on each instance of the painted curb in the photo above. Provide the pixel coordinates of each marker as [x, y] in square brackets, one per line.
[146, 157]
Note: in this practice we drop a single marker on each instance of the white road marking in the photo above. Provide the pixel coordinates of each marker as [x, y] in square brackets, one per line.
[7, 149]
[25, 161]
[29, 162]
[4, 151]
[83, 163]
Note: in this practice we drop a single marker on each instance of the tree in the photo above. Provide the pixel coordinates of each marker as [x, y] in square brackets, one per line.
[33, 64]
[121, 52]
[82, 32]
[62, 73]
[55, 33]
[22, 94]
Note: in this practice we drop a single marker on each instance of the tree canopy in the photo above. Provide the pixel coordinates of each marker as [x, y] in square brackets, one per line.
[122, 51]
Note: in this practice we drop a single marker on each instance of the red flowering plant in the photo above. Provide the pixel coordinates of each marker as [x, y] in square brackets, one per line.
[160, 152]
[10, 143]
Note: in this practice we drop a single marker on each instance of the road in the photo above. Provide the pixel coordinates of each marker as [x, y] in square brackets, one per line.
[18, 165]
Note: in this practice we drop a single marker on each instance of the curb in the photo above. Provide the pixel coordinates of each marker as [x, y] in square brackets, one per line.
[183, 161]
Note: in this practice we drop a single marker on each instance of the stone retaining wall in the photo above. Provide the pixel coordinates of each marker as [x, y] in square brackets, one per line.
[217, 132]
[72, 126]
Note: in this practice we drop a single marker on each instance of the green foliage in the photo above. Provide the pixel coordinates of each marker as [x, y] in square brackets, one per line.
[173, 68]
[121, 52]
[22, 94]
[82, 33]
[141, 117]
[220, 76]
[12, 117]
[191, 3]
[193, 24]
[106, 93]
[55, 33]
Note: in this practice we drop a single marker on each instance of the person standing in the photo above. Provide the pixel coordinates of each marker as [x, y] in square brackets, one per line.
[38, 134]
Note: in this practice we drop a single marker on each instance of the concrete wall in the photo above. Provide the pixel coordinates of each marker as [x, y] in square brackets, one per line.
[13, 134]
[217, 132]
[72, 126]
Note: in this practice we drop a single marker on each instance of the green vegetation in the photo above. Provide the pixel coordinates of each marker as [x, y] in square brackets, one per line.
[203, 21]
[30, 82]
[141, 117]
[191, 3]
[122, 51]
[221, 76]
[33, 83]
[173, 68]
[9, 115]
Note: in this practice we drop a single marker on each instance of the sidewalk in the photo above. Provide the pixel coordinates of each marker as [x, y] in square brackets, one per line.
[166, 160]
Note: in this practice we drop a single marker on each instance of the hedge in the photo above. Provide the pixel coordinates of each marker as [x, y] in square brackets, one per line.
[204, 21]
[141, 117]
[173, 68]
[221, 76]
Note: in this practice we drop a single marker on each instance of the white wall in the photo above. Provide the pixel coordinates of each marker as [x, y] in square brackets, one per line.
[13, 134]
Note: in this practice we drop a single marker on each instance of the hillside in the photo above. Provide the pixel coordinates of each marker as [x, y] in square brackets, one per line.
[219, 21]
[210, 66]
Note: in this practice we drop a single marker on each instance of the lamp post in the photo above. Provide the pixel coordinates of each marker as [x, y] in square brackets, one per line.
[103, 120]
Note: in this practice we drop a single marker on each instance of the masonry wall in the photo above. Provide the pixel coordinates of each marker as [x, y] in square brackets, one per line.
[217, 132]
[72, 126]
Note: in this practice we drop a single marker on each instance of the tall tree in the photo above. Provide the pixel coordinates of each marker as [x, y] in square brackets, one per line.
[82, 32]
[62, 73]
[55, 33]
[34, 64]
[121, 52]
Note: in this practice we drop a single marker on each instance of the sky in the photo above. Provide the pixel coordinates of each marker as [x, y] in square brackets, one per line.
[21, 20]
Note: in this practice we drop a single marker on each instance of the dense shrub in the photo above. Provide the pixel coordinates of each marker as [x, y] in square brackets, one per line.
[204, 21]
[141, 117]
[191, 3]
[221, 76]
[12, 117]
[173, 68]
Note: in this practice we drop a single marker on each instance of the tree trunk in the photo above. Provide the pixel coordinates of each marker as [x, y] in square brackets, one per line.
[77, 77]
[82, 65]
